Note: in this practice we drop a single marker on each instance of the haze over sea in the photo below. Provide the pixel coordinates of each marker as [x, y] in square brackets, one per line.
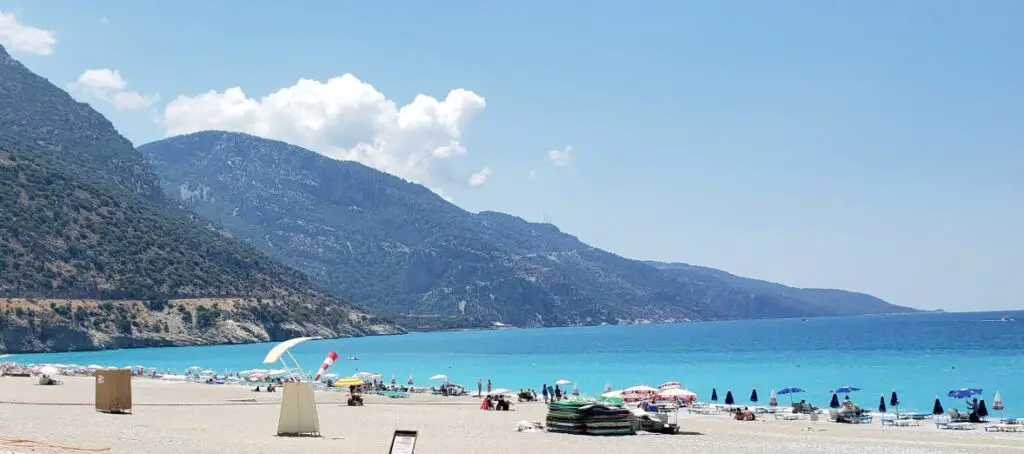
[918, 355]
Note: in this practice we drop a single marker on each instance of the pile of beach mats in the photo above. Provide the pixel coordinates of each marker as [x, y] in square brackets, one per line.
[589, 418]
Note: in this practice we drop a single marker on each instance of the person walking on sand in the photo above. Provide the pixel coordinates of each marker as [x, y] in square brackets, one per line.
[544, 392]
[558, 393]
[480, 387]
[488, 386]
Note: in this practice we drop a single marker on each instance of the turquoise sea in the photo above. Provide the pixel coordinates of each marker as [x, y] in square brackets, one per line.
[920, 356]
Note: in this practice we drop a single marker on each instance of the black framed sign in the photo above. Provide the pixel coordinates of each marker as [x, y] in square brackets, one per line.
[403, 442]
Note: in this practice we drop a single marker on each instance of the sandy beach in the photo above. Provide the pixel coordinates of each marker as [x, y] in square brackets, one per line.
[187, 417]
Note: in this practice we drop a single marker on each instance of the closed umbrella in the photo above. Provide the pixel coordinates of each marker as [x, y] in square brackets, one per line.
[714, 395]
[607, 387]
[834, 403]
[753, 396]
[982, 409]
[772, 400]
[881, 404]
[997, 402]
[937, 408]
[894, 401]
[728, 398]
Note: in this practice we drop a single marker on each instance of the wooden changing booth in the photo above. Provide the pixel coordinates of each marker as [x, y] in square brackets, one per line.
[114, 391]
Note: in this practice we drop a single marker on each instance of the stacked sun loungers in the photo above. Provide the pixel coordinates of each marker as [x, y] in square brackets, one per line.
[580, 417]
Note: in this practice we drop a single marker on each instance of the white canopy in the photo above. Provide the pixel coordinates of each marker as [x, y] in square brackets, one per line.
[275, 353]
[500, 391]
[562, 382]
[439, 377]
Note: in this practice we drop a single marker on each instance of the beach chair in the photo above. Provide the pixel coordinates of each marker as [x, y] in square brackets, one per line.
[1004, 428]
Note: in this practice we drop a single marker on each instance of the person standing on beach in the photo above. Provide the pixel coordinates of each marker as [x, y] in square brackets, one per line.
[480, 386]
[544, 392]
[488, 386]
[558, 393]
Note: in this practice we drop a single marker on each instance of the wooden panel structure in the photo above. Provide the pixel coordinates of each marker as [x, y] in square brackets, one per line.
[114, 391]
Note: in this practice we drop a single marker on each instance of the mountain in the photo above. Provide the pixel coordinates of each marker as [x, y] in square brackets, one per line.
[92, 256]
[399, 249]
[817, 300]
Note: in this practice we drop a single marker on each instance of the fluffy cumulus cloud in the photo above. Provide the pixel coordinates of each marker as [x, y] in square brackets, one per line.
[343, 118]
[19, 37]
[560, 158]
[480, 177]
[108, 85]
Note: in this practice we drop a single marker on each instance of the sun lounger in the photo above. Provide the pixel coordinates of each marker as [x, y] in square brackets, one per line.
[957, 426]
[1004, 428]
[900, 422]
[789, 416]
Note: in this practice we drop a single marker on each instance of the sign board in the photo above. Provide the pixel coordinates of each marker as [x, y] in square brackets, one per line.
[403, 442]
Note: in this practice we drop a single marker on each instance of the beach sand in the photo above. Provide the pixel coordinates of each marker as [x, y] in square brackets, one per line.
[187, 417]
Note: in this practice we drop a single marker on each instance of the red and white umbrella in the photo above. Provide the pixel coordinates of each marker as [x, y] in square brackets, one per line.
[679, 394]
[639, 393]
[670, 385]
[997, 402]
[330, 359]
[772, 400]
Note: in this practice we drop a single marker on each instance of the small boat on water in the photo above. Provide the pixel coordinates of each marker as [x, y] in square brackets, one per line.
[1007, 318]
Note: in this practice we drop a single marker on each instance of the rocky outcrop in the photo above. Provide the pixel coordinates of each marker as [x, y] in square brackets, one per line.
[28, 325]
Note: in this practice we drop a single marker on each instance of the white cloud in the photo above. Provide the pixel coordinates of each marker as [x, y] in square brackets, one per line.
[108, 85]
[480, 177]
[532, 175]
[104, 21]
[343, 118]
[562, 157]
[25, 38]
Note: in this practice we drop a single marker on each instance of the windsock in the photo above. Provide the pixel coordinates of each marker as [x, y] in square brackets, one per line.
[331, 357]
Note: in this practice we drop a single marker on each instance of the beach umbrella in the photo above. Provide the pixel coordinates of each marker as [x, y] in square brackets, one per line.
[728, 398]
[791, 390]
[753, 395]
[772, 400]
[575, 390]
[982, 409]
[639, 389]
[714, 395]
[439, 377]
[394, 381]
[670, 385]
[834, 403]
[49, 370]
[894, 400]
[997, 402]
[607, 386]
[409, 381]
[846, 390]
[678, 394]
[881, 403]
[964, 393]
[562, 382]
[937, 408]
[500, 392]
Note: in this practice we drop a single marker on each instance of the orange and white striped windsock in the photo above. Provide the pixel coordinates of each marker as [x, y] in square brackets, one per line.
[330, 359]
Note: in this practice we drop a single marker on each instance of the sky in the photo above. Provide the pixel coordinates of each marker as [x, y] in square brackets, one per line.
[873, 146]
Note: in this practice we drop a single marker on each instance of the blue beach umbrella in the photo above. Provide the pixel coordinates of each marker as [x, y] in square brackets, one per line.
[834, 403]
[982, 409]
[846, 390]
[964, 393]
[937, 408]
[790, 391]
[728, 398]
[714, 394]
[753, 396]
[881, 404]
[894, 402]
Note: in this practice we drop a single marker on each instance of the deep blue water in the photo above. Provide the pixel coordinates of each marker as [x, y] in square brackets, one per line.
[920, 356]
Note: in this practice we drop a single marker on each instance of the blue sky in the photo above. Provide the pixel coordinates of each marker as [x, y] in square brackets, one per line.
[874, 146]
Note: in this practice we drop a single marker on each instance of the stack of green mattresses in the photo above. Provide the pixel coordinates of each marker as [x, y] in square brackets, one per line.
[581, 417]
[601, 419]
[564, 417]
